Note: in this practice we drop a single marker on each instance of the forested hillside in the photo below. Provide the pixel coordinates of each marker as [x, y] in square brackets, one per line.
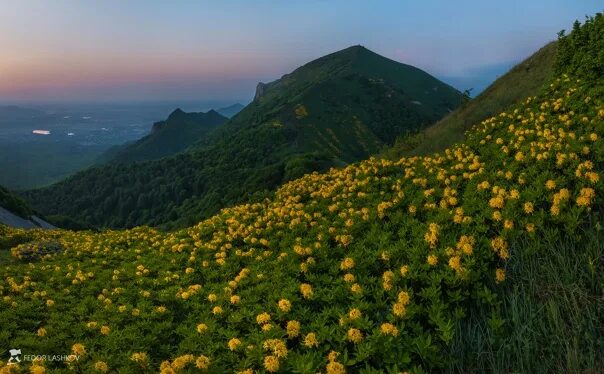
[485, 257]
[169, 137]
[338, 109]
[13, 203]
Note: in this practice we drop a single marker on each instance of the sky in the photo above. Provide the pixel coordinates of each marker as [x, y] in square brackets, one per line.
[148, 50]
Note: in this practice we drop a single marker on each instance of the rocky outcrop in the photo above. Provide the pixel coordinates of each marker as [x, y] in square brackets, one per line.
[260, 90]
[9, 219]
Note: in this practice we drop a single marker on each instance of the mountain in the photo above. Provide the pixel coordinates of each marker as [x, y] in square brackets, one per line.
[231, 110]
[523, 80]
[338, 109]
[14, 212]
[168, 137]
[349, 104]
[485, 257]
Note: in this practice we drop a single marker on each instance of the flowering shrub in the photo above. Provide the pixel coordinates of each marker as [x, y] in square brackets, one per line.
[369, 266]
[366, 266]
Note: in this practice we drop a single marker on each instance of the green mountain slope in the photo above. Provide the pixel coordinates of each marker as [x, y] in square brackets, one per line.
[524, 80]
[168, 137]
[349, 104]
[338, 109]
[231, 110]
[486, 257]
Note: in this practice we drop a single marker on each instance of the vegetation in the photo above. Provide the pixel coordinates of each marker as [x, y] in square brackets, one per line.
[231, 110]
[14, 204]
[485, 257]
[335, 110]
[47, 162]
[525, 79]
[174, 135]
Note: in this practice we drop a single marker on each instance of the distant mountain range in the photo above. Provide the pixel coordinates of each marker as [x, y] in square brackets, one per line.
[337, 109]
[231, 110]
[168, 137]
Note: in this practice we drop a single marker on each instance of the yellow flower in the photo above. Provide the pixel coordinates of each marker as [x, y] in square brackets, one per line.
[455, 263]
[310, 340]
[234, 343]
[404, 270]
[508, 224]
[306, 290]
[267, 327]
[34, 369]
[78, 349]
[263, 318]
[50, 303]
[499, 275]
[349, 278]
[356, 288]
[432, 260]
[355, 335]
[181, 362]
[586, 196]
[201, 328]
[347, 263]
[550, 184]
[388, 329]
[497, 202]
[528, 208]
[140, 358]
[271, 364]
[399, 309]
[101, 366]
[293, 329]
[217, 310]
[41, 331]
[105, 330]
[354, 314]
[202, 362]
[235, 299]
[431, 236]
[285, 305]
[277, 346]
[334, 367]
[500, 246]
[404, 298]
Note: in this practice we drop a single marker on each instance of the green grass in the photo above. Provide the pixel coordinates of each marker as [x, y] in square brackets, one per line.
[554, 308]
[525, 79]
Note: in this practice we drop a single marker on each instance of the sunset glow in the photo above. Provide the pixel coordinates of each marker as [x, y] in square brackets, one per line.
[71, 50]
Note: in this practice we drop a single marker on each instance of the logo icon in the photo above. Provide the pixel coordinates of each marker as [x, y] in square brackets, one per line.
[14, 356]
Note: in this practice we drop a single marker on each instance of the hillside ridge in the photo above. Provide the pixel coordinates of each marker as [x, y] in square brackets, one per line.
[309, 120]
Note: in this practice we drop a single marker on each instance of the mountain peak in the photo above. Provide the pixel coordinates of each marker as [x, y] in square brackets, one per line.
[177, 112]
